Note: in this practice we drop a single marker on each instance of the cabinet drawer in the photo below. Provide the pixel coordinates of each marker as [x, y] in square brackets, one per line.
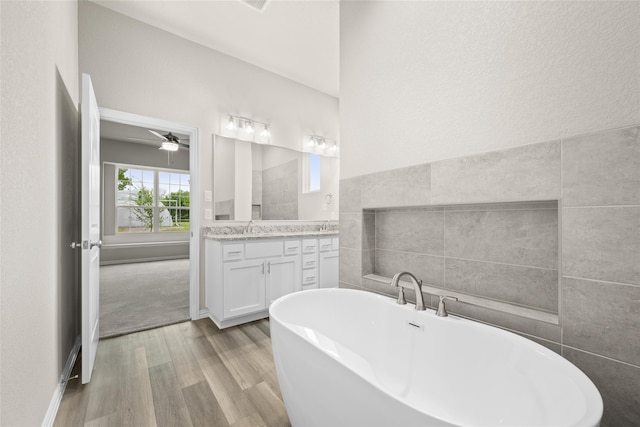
[233, 252]
[309, 277]
[292, 247]
[309, 246]
[309, 261]
[263, 249]
[326, 245]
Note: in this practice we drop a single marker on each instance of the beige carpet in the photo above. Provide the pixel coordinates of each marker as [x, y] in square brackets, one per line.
[145, 295]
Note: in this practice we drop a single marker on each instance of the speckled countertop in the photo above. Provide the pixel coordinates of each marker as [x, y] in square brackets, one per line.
[235, 232]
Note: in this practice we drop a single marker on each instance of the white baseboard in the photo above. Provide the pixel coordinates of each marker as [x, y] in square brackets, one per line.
[50, 416]
[203, 313]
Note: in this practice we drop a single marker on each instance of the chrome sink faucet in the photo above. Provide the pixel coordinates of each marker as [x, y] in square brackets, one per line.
[325, 226]
[417, 286]
[249, 227]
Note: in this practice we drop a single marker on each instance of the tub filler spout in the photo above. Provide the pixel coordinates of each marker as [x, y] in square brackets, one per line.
[417, 287]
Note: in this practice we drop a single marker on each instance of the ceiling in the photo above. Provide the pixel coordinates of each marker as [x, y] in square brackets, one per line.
[297, 39]
[129, 133]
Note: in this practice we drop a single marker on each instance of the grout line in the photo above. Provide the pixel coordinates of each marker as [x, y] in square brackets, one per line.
[444, 248]
[559, 244]
[468, 259]
[602, 281]
[602, 356]
[601, 206]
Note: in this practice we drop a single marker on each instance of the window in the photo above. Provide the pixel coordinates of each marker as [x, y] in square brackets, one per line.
[311, 172]
[151, 200]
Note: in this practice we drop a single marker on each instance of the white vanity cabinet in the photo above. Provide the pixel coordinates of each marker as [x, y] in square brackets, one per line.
[328, 262]
[244, 277]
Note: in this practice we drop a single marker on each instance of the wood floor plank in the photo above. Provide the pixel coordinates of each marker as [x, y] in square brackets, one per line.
[72, 411]
[168, 401]
[233, 401]
[261, 360]
[203, 406]
[136, 407]
[243, 371]
[265, 326]
[255, 333]
[104, 391]
[106, 421]
[186, 365]
[189, 329]
[153, 340]
[232, 338]
[268, 405]
[253, 420]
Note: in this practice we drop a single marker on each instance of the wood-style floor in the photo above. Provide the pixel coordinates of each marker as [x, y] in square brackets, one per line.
[187, 374]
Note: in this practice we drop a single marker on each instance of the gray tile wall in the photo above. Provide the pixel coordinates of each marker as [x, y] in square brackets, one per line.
[225, 209]
[596, 179]
[506, 252]
[280, 192]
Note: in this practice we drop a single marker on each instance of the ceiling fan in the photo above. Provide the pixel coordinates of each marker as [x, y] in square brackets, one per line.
[170, 142]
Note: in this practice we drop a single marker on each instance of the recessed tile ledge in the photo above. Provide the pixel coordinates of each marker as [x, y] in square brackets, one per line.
[478, 301]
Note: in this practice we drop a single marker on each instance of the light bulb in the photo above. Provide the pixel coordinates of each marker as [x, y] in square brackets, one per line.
[311, 142]
[322, 144]
[265, 132]
[334, 147]
[231, 125]
[248, 127]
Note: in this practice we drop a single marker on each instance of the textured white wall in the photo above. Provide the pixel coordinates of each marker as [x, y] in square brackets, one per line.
[425, 81]
[39, 81]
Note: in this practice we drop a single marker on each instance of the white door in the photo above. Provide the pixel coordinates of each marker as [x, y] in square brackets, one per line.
[90, 234]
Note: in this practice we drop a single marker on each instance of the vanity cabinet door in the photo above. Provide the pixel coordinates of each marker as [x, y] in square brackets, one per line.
[244, 287]
[328, 269]
[283, 277]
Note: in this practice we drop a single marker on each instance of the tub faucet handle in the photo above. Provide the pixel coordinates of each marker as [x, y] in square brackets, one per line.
[442, 310]
[401, 300]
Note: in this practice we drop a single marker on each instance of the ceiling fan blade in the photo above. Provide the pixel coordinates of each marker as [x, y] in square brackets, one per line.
[158, 135]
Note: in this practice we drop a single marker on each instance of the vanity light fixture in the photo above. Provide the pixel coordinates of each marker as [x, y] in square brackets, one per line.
[244, 129]
[320, 143]
[231, 124]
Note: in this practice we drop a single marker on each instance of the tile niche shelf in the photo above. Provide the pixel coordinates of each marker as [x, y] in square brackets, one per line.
[499, 256]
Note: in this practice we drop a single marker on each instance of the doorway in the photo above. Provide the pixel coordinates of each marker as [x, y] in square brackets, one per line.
[149, 260]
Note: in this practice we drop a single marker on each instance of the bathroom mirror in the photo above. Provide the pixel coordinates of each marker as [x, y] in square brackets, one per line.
[266, 182]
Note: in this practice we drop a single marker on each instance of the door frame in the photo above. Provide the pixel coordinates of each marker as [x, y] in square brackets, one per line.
[194, 170]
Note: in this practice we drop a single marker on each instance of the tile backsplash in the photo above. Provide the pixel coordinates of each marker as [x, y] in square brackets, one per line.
[553, 226]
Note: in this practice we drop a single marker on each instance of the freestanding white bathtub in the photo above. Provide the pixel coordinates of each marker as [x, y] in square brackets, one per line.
[354, 358]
